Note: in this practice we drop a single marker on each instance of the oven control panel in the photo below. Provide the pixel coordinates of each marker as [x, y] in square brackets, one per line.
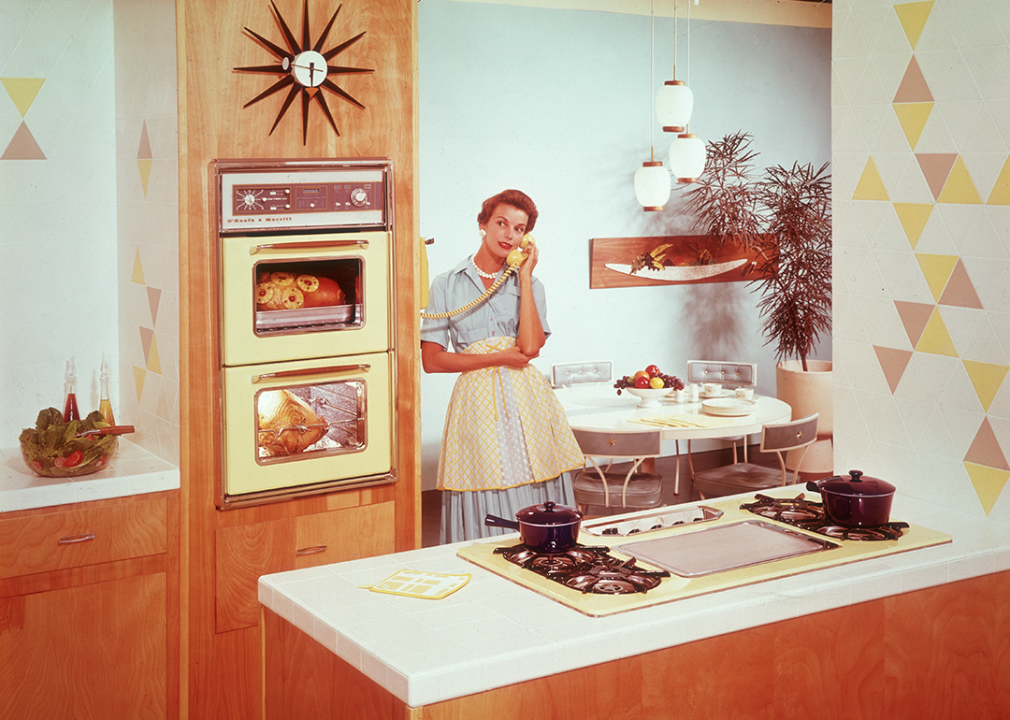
[264, 199]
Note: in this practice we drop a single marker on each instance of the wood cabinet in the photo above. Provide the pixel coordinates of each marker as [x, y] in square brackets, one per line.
[942, 652]
[89, 611]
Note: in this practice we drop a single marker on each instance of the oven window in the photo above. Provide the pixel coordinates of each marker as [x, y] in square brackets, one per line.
[307, 295]
[306, 421]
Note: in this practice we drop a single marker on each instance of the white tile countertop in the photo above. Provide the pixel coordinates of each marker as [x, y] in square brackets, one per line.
[493, 632]
[132, 471]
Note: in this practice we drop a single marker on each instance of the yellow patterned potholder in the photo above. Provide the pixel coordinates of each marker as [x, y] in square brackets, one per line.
[420, 584]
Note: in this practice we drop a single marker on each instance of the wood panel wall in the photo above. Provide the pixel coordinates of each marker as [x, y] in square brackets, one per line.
[220, 669]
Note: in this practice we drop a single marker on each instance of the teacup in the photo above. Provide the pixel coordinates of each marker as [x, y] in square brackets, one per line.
[745, 393]
[713, 388]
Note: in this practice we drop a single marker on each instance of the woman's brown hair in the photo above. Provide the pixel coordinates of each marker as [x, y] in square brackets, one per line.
[515, 198]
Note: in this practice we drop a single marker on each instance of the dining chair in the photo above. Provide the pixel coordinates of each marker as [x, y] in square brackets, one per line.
[727, 373]
[744, 476]
[575, 373]
[624, 488]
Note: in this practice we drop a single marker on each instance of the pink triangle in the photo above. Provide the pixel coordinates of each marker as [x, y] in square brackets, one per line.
[23, 146]
[914, 317]
[146, 337]
[893, 363]
[935, 168]
[153, 298]
[985, 449]
[960, 292]
[144, 152]
[913, 86]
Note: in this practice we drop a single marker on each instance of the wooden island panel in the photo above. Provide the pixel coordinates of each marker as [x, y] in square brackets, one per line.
[938, 652]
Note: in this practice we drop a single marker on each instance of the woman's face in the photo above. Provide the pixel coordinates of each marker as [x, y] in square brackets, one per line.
[504, 230]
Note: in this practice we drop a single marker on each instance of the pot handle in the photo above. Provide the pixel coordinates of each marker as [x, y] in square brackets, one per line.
[814, 486]
[500, 522]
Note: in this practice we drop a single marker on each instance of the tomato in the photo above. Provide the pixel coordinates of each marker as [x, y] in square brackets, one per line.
[652, 370]
[642, 382]
[73, 459]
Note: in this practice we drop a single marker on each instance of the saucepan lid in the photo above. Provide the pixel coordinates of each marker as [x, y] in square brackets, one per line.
[855, 483]
[548, 513]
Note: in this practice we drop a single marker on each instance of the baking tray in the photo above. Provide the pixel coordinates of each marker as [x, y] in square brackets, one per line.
[660, 519]
[725, 547]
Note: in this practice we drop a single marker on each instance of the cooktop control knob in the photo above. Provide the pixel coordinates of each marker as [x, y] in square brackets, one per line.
[359, 197]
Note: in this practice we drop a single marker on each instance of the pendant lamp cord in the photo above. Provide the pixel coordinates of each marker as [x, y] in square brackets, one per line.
[675, 3]
[652, 84]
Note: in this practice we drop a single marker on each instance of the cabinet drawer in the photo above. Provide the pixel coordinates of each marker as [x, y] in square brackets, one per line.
[87, 534]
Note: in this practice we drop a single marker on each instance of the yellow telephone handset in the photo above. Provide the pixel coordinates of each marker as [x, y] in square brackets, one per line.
[512, 262]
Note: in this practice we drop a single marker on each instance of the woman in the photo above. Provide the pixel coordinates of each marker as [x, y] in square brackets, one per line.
[506, 441]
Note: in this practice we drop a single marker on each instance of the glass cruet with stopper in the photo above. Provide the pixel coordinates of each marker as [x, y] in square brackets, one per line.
[70, 411]
[105, 404]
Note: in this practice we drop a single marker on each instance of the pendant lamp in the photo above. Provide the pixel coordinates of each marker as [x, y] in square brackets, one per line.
[652, 181]
[687, 157]
[674, 100]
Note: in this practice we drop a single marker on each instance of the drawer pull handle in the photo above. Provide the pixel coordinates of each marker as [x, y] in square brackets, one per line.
[310, 244]
[71, 539]
[314, 550]
[362, 367]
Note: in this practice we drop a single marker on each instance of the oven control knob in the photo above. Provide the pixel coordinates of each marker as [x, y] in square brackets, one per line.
[359, 197]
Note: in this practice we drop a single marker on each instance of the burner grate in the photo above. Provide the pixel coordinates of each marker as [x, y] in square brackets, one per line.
[589, 569]
[802, 513]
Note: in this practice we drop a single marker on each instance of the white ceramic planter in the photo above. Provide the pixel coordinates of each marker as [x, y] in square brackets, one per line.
[809, 392]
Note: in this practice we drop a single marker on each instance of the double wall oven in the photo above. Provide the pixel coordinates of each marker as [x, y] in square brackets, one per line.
[305, 254]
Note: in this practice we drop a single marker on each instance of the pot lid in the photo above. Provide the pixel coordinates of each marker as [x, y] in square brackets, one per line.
[855, 483]
[549, 513]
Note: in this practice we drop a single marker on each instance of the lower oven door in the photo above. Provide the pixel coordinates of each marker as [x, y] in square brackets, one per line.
[306, 426]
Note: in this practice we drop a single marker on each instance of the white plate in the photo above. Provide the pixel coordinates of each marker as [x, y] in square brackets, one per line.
[731, 407]
[722, 393]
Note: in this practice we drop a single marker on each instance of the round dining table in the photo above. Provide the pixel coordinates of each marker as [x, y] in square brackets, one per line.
[599, 407]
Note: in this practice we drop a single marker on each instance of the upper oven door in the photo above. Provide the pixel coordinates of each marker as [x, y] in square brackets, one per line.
[304, 296]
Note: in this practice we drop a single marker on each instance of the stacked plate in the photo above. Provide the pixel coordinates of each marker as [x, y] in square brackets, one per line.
[730, 407]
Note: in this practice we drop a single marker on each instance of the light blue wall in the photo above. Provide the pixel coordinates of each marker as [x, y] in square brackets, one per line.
[558, 103]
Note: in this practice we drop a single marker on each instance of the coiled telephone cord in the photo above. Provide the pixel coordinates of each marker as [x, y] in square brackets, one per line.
[470, 306]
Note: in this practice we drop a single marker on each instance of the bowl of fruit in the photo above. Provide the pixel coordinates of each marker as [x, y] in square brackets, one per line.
[649, 385]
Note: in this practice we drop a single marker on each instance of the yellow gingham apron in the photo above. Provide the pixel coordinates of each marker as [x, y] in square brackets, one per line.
[470, 458]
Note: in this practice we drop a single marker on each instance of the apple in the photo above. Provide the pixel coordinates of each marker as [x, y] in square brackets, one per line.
[652, 370]
[641, 374]
[641, 382]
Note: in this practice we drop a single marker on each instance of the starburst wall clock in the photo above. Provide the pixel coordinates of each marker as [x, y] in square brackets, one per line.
[305, 69]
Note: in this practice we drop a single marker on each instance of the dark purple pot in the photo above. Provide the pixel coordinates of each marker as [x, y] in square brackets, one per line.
[855, 500]
[547, 528]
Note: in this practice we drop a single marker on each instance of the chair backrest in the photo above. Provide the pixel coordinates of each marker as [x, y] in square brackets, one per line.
[619, 445]
[564, 374]
[729, 373]
[783, 437]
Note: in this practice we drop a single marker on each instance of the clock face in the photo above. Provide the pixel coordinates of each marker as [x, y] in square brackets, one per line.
[304, 69]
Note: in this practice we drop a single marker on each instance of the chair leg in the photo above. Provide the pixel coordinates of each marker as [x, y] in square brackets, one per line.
[676, 468]
[690, 460]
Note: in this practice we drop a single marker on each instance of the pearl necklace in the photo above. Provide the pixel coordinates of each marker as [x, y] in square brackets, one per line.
[485, 275]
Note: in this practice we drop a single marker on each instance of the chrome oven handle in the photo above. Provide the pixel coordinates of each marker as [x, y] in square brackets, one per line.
[309, 244]
[364, 367]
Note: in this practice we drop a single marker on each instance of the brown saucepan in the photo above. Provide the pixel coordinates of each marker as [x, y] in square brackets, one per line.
[855, 500]
[547, 528]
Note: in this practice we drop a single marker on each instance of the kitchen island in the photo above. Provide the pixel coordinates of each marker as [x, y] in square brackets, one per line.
[925, 629]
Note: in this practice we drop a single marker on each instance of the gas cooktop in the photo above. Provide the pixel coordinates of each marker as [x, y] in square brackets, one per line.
[692, 550]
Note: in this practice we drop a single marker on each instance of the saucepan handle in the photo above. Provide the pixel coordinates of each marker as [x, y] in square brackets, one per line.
[500, 522]
[813, 486]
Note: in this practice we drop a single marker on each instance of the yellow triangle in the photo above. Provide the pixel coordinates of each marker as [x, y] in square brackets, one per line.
[937, 269]
[913, 117]
[912, 17]
[913, 217]
[870, 186]
[153, 359]
[935, 338]
[1000, 194]
[987, 378]
[144, 164]
[139, 374]
[22, 91]
[959, 187]
[989, 483]
[138, 270]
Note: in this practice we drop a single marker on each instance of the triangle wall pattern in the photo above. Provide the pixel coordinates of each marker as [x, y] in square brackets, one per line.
[945, 277]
